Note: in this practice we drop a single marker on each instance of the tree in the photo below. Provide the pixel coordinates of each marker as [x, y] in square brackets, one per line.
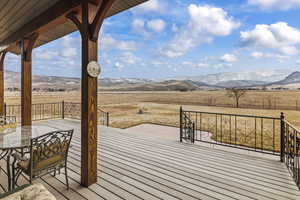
[236, 93]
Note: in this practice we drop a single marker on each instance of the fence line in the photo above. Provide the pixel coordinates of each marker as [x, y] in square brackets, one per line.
[57, 110]
[291, 150]
[262, 134]
[254, 133]
[264, 104]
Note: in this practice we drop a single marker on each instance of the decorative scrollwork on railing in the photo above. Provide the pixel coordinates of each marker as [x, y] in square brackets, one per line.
[73, 111]
[292, 151]
[7, 123]
[187, 128]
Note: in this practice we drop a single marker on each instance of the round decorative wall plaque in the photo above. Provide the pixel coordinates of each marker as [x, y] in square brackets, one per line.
[93, 69]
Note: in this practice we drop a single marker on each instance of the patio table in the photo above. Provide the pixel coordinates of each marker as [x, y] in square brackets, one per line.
[18, 139]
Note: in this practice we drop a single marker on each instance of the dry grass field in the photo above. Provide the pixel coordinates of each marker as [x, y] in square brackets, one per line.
[163, 108]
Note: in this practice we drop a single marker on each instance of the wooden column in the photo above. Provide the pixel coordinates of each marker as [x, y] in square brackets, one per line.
[89, 27]
[2, 56]
[27, 45]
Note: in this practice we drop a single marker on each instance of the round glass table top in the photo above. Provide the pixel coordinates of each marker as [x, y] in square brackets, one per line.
[20, 137]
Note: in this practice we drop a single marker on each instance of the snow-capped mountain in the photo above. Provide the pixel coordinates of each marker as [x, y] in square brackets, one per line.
[263, 76]
[211, 81]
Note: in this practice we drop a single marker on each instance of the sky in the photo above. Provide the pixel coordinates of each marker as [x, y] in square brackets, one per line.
[175, 38]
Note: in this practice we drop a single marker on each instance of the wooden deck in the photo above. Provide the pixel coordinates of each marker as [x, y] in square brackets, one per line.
[139, 167]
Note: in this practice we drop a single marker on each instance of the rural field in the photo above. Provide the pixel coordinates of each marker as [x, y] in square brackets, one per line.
[163, 107]
[127, 109]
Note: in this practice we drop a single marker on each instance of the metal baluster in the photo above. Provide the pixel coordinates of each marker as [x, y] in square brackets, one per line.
[230, 129]
[216, 128]
[221, 128]
[255, 127]
[262, 130]
[200, 126]
[235, 129]
[274, 137]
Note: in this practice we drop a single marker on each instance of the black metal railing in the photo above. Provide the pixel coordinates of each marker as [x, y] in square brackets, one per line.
[254, 133]
[187, 128]
[6, 120]
[292, 150]
[263, 134]
[73, 111]
[40, 111]
[46, 111]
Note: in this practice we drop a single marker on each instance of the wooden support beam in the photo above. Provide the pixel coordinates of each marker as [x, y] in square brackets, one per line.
[2, 57]
[27, 45]
[89, 35]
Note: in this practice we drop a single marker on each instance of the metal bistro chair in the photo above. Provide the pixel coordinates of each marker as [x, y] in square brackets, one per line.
[47, 154]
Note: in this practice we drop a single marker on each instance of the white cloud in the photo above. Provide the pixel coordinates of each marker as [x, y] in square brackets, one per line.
[107, 42]
[288, 50]
[298, 62]
[69, 52]
[275, 4]
[257, 55]
[119, 66]
[138, 23]
[222, 65]
[205, 23]
[151, 6]
[129, 58]
[229, 58]
[46, 54]
[261, 55]
[174, 28]
[196, 65]
[279, 36]
[156, 25]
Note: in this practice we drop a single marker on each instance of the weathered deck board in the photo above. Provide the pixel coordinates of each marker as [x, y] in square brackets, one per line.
[138, 167]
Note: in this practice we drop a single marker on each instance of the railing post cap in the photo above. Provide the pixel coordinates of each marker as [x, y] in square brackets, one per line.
[281, 115]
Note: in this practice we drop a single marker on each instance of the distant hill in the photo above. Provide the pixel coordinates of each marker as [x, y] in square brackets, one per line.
[169, 85]
[254, 77]
[240, 83]
[292, 78]
[208, 82]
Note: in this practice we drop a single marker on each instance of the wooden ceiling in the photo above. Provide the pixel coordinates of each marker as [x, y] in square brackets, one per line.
[20, 18]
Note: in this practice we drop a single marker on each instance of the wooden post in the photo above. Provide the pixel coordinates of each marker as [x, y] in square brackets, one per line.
[2, 57]
[89, 35]
[27, 45]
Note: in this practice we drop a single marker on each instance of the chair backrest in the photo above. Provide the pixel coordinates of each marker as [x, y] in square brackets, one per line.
[49, 150]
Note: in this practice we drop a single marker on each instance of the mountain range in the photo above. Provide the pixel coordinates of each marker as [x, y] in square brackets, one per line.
[266, 79]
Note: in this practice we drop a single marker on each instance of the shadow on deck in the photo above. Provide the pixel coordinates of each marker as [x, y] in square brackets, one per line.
[139, 167]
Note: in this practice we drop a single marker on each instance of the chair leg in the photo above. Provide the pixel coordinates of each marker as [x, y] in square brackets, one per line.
[66, 174]
[30, 179]
[13, 177]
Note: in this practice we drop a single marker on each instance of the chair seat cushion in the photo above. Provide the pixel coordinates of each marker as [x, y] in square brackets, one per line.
[33, 192]
[53, 161]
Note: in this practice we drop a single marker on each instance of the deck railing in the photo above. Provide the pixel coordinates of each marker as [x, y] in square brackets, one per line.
[73, 111]
[292, 150]
[254, 133]
[46, 111]
[263, 134]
